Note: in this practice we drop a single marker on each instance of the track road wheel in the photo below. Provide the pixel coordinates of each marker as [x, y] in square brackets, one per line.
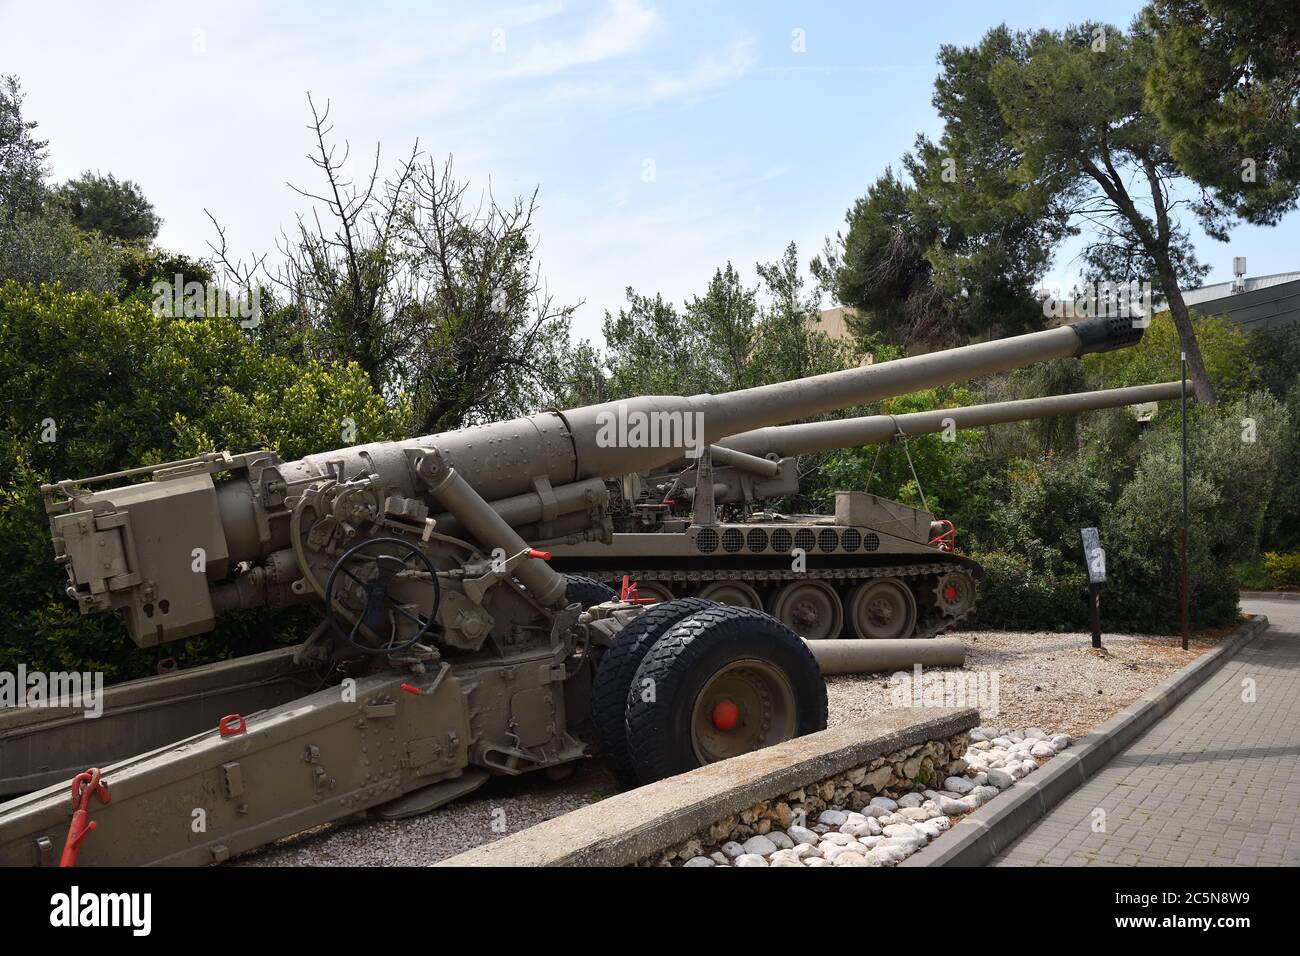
[882, 609]
[810, 608]
[734, 593]
[587, 591]
[721, 683]
[617, 668]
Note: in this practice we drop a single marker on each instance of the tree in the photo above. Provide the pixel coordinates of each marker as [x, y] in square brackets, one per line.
[117, 209]
[47, 248]
[1070, 107]
[435, 297]
[724, 322]
[788, 344]
[22, 156]
[1225, 83]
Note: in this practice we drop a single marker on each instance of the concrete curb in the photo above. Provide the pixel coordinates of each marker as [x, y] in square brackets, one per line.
[982, 835]
[1271, 595]
[628, 827]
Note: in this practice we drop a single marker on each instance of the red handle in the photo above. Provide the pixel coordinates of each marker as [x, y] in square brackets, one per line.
[83, 785]
[232, 725]
[539, 555]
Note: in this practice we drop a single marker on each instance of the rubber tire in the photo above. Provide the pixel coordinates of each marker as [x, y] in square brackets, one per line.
[586, 591]
[682, 661]
[614, 677]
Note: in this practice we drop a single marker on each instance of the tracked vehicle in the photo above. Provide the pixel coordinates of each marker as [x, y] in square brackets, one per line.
[446, 651]
[875, 569]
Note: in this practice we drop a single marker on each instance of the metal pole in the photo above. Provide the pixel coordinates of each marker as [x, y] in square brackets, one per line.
[1095, 593]
[1183, 535]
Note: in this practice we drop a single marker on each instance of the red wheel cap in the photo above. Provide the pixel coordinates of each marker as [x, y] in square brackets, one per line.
[725, 715]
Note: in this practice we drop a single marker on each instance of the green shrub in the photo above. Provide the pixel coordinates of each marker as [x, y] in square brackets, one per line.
[114, 385]
[1283, 570]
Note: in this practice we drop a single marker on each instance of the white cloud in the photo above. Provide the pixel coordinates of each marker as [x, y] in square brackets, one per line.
[624, 30]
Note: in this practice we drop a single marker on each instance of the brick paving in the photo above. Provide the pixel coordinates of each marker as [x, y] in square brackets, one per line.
[1216, 782]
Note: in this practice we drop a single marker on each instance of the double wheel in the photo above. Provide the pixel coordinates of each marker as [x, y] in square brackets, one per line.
[691, 682]
[877, 609]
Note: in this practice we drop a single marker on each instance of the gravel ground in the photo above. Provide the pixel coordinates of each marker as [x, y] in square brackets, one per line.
[1043, 680]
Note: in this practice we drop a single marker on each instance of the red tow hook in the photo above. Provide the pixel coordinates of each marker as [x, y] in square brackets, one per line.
[628, 593]
[83, 785]
[539, 555]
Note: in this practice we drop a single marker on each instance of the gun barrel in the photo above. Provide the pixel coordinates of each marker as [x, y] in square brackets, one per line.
[802, 439]
[712, 417]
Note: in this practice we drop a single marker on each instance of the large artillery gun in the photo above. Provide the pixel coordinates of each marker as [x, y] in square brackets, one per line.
[446, 652]
[875, 569]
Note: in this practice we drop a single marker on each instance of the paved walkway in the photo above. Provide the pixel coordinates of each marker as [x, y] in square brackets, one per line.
[1215, 783]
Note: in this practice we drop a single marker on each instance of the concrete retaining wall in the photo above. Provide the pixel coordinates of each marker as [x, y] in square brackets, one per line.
[642, 825]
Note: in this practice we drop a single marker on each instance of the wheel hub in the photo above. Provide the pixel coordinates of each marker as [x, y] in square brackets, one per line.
[745, 705]
[726, 715]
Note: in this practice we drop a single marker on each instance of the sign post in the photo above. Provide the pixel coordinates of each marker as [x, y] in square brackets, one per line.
[1094, 558]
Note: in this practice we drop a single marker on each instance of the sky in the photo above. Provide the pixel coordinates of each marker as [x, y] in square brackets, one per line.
[666, 138]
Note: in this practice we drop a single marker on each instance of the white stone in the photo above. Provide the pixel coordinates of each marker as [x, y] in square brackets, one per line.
[1041, 749]
[784, 861]
[890, 854]
[911, 800]
[981, 746]
[805, 850]
[980, 779]
[833, 818]
[699, 861]
[782, 841]
[870, 841]
[892, 819]
[876, 812]
[733, 849]
[930, 794]
[852, 859]
[783, 855]
[750, 859]
[949, 806]
[1060, 742]
[800, 834]
[905, 830]
[985, 794]
[959, 785]
[884, 803]
[855, 817]
[932, 828]
[1029, 766]
[917, 814]
[832, 853]
[856, 830]
[760, 845]
[977, 735]
[836, 838]
[817, 861]
[1035, 734]
[720, 858]
[1000, 778]
[1002, 743]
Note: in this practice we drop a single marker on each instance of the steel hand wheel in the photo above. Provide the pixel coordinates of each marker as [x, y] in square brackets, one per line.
[373, 566]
